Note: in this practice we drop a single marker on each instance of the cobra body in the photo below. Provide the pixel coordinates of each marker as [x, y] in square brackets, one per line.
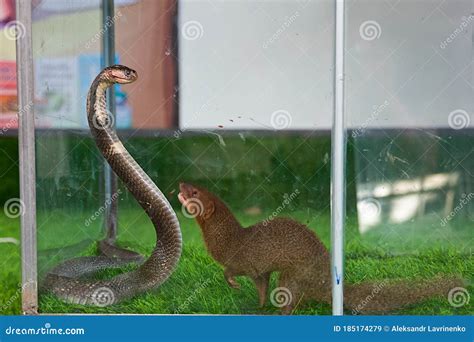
[67, 280]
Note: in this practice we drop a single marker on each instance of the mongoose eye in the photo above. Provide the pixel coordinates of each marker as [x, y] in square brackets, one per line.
[195, 193]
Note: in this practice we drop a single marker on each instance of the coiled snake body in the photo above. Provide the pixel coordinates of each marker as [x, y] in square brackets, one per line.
[67, 280]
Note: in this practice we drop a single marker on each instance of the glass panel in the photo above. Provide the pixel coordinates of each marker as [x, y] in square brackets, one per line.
[68, 170]
[247, 92]
[270, 73]
[409, 107]
[10, 301]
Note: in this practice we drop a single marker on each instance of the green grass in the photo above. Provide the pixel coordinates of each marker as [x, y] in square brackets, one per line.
[197, 286]
[10, 286]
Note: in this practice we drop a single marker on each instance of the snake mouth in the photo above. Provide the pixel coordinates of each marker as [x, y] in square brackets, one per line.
[123, 80]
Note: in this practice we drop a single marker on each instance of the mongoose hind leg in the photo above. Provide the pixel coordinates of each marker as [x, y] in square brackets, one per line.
[261, 282]
[289, 294]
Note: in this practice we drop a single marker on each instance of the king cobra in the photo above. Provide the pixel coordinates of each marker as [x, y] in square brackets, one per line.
[70, 281]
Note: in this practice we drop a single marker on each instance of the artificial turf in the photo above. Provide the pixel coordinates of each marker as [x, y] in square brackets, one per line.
[419, 251]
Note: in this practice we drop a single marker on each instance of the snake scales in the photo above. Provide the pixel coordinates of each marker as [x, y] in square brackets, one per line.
[68, 281]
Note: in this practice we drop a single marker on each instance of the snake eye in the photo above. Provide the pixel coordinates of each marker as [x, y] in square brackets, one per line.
[127, 73]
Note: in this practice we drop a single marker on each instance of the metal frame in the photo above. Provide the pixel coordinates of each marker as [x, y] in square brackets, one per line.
[26, 137]
[338, 160]
[110, 178]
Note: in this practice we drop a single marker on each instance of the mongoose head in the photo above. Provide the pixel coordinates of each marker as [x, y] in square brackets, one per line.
[198, 202]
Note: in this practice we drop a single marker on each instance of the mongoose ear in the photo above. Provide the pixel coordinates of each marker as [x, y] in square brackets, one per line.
[209, 210]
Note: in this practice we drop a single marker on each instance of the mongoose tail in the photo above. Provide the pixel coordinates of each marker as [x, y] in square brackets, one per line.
[388, 295]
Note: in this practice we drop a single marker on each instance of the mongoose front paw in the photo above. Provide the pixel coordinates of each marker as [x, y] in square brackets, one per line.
[232, 283]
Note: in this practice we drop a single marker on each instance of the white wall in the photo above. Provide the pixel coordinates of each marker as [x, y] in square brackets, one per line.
[245, 60]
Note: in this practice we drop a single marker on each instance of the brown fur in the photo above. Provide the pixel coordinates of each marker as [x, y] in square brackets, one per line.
[292, 249]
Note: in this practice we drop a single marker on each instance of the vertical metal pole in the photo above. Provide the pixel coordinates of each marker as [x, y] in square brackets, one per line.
[26, 137]
[110, 179]
[338, 159]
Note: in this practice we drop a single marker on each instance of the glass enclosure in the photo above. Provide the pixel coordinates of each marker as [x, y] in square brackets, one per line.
[238, 118]
[237, 97]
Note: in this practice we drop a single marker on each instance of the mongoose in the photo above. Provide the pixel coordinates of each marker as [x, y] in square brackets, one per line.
[292, 249]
